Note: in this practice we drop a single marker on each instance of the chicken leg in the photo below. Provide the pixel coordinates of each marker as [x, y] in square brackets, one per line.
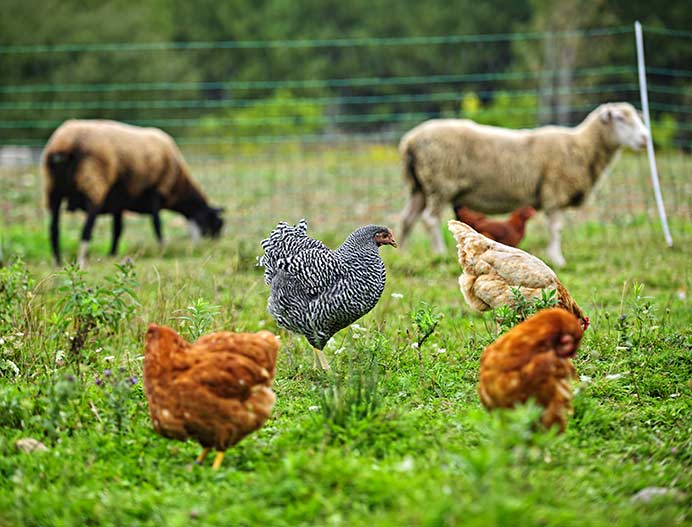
[202, 456]
[218, 460]
[319, 355]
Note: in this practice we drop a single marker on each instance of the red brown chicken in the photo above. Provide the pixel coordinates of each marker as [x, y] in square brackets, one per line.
[509, 232]
[533, 359]
[216, 390]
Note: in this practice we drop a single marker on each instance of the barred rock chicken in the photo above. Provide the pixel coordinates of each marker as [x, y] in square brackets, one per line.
[533, 359]
[216, 390]
[510, 232]
[316, 291]
[491, 270]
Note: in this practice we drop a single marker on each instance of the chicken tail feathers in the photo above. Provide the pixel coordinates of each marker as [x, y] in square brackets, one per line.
[284, 242]
[566, 302]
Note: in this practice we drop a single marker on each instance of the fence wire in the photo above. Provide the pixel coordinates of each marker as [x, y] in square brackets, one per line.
[273, 149]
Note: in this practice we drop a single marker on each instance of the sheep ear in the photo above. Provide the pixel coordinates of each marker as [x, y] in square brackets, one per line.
[607, 115]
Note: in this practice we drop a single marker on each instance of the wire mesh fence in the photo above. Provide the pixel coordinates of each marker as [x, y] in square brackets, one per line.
[300, 145]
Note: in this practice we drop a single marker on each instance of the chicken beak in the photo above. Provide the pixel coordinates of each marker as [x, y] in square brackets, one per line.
[392, 241]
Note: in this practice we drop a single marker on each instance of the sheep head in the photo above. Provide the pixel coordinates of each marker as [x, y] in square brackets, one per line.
[209, 221]
[624, 124]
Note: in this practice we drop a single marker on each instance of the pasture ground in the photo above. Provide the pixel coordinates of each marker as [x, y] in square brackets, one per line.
[394, 437]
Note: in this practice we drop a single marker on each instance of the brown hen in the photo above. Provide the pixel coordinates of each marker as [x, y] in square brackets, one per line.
[533, 359]
[492, 270]
[510, 232]
[216, 390]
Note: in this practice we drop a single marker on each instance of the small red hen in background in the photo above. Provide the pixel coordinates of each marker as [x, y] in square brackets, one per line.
[509, 232]
[533, 359]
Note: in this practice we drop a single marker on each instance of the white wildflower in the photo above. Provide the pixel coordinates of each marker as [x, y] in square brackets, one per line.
[585, 379]
[59, 357]
[7, 363]
[110, 358]
[313, 408]
[613, 376]
[397, 296]
[414, 344]
[406, 465]
[358, 327]
[339, 351]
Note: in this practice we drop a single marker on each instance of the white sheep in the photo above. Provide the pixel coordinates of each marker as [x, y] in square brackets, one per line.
[496, 170]
[107, 167]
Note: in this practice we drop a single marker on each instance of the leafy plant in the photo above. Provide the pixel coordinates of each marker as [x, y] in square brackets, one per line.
[521, 308]
[198, 317]
[504, 109]
[15, 293]
[425, 320]
[664, 130]
[86, 311]
[57, 406]
[281, 114]
[13, 410]
[354, 397]
[634, 326]
[117, 388]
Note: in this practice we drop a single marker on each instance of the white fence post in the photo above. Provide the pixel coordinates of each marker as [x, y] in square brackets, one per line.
[650, 142]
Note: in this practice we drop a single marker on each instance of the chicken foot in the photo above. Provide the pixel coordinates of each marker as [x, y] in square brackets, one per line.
[319, 355]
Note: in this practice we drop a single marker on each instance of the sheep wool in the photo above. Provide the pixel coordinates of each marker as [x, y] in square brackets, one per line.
[107, 167]
[496, 170]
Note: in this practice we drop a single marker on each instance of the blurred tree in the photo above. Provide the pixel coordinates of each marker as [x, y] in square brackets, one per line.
[49, 81]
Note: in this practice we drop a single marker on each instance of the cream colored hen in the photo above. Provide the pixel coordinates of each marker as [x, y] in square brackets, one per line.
[492, 270]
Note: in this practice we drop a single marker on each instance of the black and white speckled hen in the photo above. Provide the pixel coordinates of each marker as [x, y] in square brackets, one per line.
[316, 291]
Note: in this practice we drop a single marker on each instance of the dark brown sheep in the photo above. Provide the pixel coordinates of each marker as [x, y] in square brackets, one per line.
[107, 167]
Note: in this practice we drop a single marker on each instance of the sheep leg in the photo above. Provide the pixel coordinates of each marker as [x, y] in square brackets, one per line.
[431, 219]
[117, 230]
[410, 215]
[555, 224]
[156, 218]
[86, 235]
[54, 201]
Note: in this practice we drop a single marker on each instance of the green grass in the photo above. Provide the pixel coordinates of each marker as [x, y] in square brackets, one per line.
[382, 442]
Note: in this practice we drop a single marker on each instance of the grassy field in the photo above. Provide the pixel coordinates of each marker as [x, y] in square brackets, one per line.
[397, 436]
